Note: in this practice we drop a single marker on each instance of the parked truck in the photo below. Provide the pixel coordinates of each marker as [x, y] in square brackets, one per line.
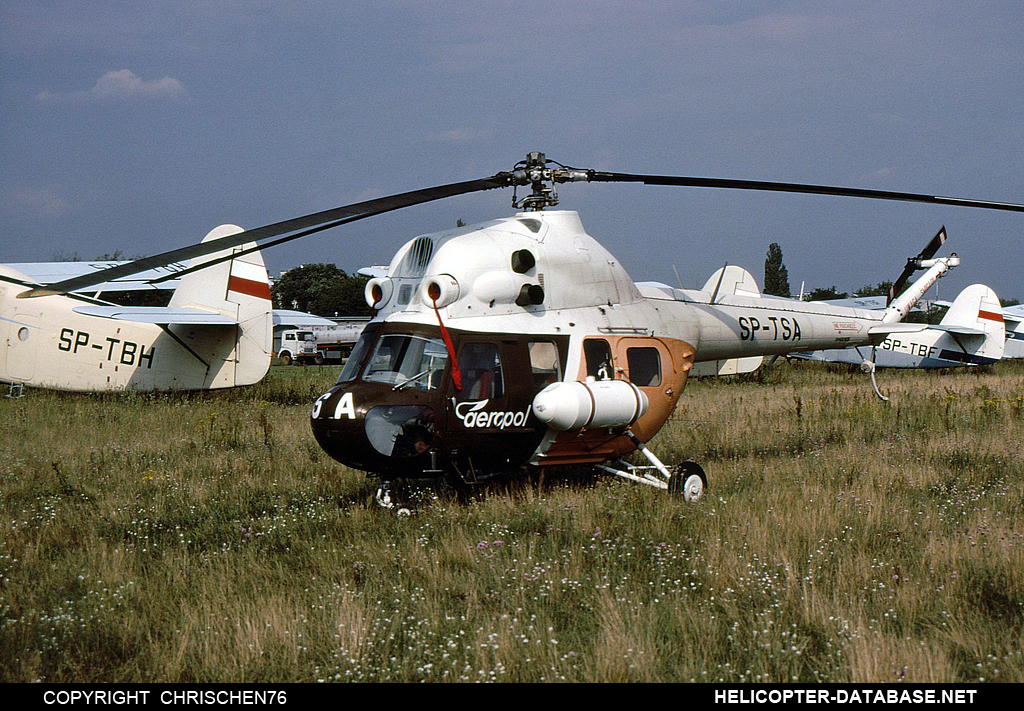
[320, 344]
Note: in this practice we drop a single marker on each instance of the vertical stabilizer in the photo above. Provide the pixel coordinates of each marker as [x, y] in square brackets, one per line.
[238, 288]
[731, 280]
[978, 308]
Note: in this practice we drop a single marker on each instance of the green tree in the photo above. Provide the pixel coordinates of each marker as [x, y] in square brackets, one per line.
[879, 289]
[824, 294]
[345, 297]
[776, 276]
[322, 289]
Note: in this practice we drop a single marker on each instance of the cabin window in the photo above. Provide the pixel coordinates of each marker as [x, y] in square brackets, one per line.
[482, 376]
[544, 363]
[644, 366]
[598, 355]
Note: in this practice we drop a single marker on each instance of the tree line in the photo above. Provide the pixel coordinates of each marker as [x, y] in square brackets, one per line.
[321, 289]
[776, 283]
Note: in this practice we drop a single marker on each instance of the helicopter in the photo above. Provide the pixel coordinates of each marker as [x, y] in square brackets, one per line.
[522, 343]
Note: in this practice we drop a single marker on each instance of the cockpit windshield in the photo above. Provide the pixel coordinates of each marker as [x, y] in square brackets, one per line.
[407, 361]
[358, 355]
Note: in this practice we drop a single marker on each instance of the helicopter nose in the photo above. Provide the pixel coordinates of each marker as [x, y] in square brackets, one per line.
[373, 436]
[338, 427]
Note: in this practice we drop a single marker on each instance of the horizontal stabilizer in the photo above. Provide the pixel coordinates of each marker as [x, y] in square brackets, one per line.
[960, 330]
[159, 315]
[884, 329]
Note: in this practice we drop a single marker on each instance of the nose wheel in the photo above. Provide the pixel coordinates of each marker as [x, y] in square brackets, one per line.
[385, 500]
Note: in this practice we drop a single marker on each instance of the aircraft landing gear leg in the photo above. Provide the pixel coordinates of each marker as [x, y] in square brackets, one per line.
[383, 495]
[386, 501]
[687, 480]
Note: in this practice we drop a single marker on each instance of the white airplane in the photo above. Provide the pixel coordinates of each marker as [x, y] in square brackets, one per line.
[522, 343]
[1014, 318]
[215, 333]
[970, 333]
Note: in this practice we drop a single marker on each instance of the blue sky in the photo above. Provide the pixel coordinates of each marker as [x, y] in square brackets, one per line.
[140, 126]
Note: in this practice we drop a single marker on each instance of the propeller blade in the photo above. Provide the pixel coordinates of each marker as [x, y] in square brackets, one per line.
[913, 264]
[731, 184]
[308, 224]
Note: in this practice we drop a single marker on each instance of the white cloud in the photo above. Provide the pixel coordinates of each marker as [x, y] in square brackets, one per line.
[882, 175]
[45, 202]
[123, 84]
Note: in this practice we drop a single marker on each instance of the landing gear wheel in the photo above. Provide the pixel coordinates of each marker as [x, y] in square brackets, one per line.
[386, 500]
[383, 496]
[689, 481]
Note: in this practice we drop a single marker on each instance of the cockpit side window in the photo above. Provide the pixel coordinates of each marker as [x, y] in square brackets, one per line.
[598, 355]
[544, 363]
[482, 374]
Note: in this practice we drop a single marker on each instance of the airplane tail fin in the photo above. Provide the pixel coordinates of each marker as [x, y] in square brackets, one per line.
[239, 288]
[730, 280]
[977, 317]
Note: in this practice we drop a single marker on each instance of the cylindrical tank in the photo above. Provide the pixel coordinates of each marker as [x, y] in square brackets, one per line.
[590, 403]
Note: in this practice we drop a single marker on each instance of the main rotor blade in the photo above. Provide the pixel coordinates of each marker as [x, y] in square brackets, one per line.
[314, 222]
[728, 183]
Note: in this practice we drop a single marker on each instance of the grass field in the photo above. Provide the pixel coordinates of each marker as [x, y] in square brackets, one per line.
[206, 537]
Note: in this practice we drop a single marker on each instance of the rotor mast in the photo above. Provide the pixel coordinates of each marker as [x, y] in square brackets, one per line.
[534, 171]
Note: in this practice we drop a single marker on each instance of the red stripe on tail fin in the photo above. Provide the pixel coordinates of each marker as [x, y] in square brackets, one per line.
[258, 289]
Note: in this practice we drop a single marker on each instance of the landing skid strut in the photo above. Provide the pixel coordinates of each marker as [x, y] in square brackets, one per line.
[687, 480]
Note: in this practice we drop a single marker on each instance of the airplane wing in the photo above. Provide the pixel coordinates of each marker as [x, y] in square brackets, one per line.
[49, 272]
[871, 303]
[159, 315]
[857, 302]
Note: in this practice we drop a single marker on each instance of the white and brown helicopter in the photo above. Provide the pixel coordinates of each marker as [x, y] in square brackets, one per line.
[216, 332]
[523, 343]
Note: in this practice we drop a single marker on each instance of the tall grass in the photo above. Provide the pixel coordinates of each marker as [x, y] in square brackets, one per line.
[205, 537]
